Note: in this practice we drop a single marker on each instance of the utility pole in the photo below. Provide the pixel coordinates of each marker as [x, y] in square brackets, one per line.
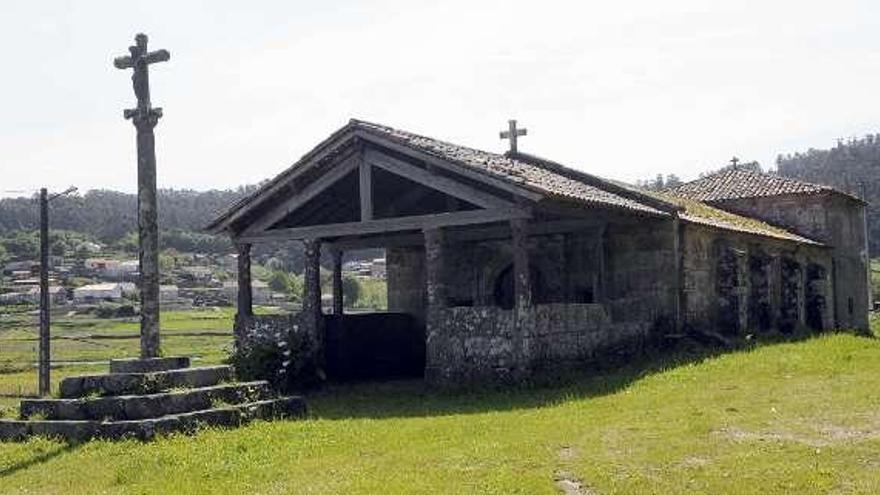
[44, 293]
[45, 356]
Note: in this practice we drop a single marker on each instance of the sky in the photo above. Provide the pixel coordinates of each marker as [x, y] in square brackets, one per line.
[624, 89]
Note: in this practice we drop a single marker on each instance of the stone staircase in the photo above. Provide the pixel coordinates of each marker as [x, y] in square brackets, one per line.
[141, 398]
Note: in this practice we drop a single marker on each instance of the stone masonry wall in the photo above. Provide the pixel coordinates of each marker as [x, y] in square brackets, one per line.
[475, 344]
[736, 284]
[640, 273]
[837, 221]
[626, 271]
[406, 281]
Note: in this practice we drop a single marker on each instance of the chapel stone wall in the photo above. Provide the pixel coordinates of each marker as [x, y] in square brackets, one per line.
[835, 220]
[736, 284]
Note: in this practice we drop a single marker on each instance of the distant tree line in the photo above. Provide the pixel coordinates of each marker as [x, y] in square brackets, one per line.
[660, 182]
[109, 216]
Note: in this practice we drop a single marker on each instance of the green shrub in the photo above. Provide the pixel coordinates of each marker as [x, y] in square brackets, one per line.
[286, 360]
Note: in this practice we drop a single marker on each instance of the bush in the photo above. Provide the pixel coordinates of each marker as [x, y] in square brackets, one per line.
[106, 310]
[110, 310]
[285, 359]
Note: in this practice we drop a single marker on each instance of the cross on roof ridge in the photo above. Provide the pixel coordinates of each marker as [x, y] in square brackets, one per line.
[512, 133]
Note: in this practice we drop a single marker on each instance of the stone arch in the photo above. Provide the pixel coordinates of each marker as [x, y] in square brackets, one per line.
[503, 291]
[497, 279]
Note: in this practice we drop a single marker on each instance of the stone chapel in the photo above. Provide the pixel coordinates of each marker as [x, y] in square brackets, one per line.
[499, 265]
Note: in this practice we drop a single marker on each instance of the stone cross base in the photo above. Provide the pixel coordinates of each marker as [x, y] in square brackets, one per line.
[142, 398]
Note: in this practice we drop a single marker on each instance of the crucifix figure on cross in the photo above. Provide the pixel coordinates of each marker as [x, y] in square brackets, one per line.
[145, 118]
[139, 60]
[512, 133]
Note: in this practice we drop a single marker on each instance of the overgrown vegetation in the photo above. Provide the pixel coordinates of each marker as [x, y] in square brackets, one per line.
[287, 362]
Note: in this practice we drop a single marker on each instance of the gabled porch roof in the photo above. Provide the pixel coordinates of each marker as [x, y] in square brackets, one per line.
[500, 187]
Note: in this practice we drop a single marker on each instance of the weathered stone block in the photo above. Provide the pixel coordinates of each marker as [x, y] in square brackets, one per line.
[148, 365]
[13, 430]
[132, 407]
[147, 429]
[143, 383]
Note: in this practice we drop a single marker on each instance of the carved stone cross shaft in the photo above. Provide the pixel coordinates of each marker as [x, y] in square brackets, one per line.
[145, 118]
[512, 133]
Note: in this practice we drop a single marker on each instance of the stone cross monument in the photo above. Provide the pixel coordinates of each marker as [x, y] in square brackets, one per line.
[145, 118]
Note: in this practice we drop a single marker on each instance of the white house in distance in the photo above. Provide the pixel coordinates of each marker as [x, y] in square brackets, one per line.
[97, 292]
[57, 295]
[168, 293]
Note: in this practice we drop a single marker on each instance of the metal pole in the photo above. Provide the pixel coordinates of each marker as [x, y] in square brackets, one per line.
[44, 293]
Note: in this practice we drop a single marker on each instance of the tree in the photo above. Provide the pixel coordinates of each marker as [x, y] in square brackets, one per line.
[295, 287]
[279, 281]
[673, 180]
[351, 290]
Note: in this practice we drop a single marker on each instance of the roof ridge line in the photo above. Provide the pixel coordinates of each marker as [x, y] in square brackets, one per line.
[596, 181]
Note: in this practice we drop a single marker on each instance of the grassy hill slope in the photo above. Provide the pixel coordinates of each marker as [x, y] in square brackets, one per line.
[800, 417]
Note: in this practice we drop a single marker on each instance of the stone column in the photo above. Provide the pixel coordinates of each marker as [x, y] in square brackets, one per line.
[802, 290]
[311, 301]
[678, 300]
[438, 367]
[522, 293]
[338, 301]
[434, 277]
[521, 287]
[775, 282]
[244, 301]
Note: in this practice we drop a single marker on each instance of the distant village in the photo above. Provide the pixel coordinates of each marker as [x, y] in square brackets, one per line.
[108, 280]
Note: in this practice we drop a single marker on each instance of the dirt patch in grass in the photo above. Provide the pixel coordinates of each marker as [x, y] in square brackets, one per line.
[570, 485]
[823, 435]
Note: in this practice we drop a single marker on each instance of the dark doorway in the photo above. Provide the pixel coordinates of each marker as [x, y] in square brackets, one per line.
[374, 346]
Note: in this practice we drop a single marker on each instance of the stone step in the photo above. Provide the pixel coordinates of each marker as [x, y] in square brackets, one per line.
[143, 383]
[130, 407]
[146, 429]
[138, 365]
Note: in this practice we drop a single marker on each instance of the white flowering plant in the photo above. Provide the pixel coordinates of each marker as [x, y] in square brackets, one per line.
[284, 358]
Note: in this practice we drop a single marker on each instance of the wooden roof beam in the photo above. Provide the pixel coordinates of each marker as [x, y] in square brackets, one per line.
[396, 224]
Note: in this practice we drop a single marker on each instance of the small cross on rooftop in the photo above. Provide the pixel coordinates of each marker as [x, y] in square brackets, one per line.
[512, 133]
[734, 162]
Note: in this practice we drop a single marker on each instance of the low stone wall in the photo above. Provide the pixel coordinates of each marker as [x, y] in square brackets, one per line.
[477, 344]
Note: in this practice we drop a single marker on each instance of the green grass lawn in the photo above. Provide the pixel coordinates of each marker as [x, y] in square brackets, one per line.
[799, 417]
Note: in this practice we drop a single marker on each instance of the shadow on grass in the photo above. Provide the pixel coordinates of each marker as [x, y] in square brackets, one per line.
[37, 458]
[413, 398]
